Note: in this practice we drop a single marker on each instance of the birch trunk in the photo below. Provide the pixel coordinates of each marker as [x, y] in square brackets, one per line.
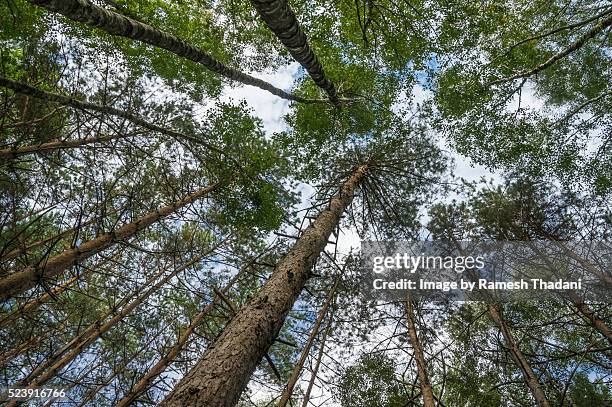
[282, 21]
[119, 25]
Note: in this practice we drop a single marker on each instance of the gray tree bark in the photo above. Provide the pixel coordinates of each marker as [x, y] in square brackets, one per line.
[119, 25]
[282, 21]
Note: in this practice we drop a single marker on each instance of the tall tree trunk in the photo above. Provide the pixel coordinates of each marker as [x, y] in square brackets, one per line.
[315, 370]
[13, 254]
[519, 358]
[27, 278]
[295, 374]
[164, 362]
[79, 104]
[119, 25]
[87, 397]
[224, 370]
[10, 153]
[95, 331]
[282, 21]
[590, 315]
[36, 302]
[419, 356]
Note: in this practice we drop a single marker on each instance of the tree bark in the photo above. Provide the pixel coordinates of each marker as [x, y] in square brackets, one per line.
[295, 374]
[282, 21]
[122, 26]
[521, 361]
[27, 278]
[426, 389]
[224, 370]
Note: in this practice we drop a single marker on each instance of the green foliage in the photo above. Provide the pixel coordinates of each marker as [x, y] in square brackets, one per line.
[371, 382]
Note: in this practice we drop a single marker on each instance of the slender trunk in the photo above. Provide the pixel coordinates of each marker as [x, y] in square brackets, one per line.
[419, 356]
[517, 355]
[164, 362]
[590, 315]
[578, 302]
[13, 254]
[295, 374]
[27, 278]
[122, 26]
[282, 21]
[96, 331]
[596, 29]
[10, 153]
[224, 370]
[79, 104]
[36, 302]
[316, 366]
[19, 349]
[108, 379]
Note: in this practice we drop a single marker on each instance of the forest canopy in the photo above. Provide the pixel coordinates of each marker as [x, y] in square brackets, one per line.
[185, 187]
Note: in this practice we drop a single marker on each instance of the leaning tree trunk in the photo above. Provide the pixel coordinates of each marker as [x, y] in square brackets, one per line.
[63, 100]
[519, 358]
[169, 357]
[315, 369]
[224, 370]
[20, 251]
[295, 374]
[282, 21]
[96, 331]
[419, 356]
[14, 152]
[119, 25]
[591, 316]
[49, 295]
[27, 278]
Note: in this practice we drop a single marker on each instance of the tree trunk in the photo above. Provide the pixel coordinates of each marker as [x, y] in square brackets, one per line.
[79, 104]
[36, 302]
[10, 153]
[119, 25]
[419, 356]
[164, 362]
[295, 374]
[27, 278]
[521, 361]
[224, 370]
[95, 331]
[282, 21]
[13, 254]
[590, 315]
[315, 370]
